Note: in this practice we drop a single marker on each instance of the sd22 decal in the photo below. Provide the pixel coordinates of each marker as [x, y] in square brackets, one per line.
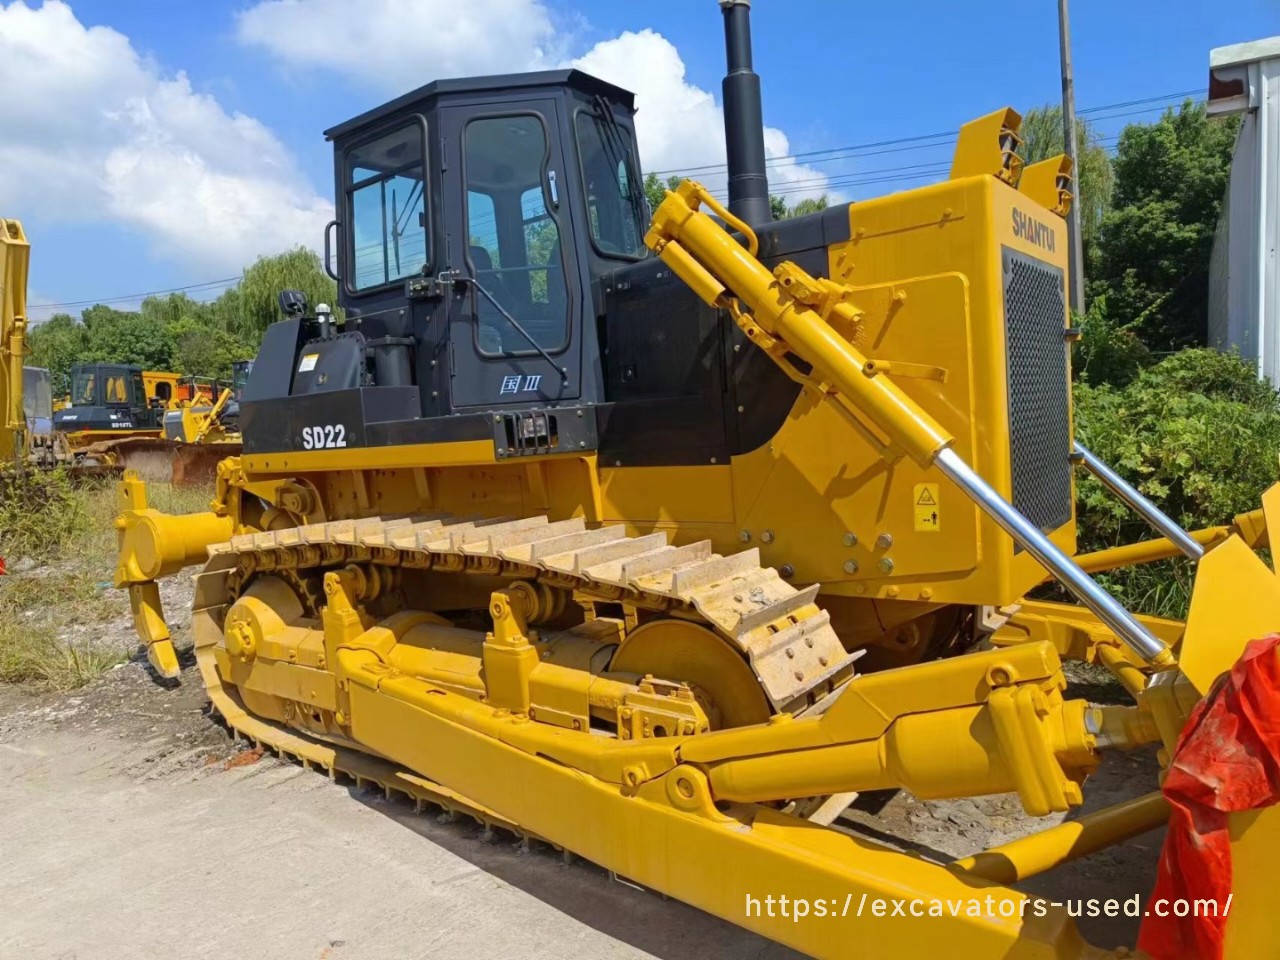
[326, 437]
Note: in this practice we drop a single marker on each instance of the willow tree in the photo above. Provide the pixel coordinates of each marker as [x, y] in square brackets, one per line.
[1042, 138]
[252, 305]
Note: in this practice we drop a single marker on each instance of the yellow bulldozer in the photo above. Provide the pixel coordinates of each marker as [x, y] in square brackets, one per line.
[166, 425]
[657, 536]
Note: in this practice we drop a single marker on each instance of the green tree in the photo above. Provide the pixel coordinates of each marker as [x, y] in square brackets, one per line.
[655, 189]
[172, 309]
[1107, 352]
[807, 205]
[1198, 433]
[129, 338]
[782, 211]
[1153, 246]
[205, 352]
[1042, 139]
[56, 344]
[102, 316]
[254, 304]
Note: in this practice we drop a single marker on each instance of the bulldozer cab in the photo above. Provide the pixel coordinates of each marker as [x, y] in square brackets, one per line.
[474, 217]
[108, 397]
[103, 385]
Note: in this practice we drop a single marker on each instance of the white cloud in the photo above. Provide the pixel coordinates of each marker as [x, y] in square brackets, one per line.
[680, 125]
[94, 131]
[397, 45]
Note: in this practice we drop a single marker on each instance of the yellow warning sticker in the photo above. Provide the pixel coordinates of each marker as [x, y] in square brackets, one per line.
[928, 511]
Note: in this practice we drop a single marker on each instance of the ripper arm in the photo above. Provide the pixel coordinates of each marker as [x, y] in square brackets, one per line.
[154, 545]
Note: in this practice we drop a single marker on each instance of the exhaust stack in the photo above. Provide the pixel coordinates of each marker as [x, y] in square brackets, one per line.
[743, 119]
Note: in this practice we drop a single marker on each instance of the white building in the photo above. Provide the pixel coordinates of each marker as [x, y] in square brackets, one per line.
[1244, 283]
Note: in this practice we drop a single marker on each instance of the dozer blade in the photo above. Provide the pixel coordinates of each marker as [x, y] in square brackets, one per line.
[1236, 599]
[149, 457]
[197, 463]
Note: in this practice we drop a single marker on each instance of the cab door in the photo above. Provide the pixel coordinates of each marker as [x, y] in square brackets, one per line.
[145, 416]
[515, 320]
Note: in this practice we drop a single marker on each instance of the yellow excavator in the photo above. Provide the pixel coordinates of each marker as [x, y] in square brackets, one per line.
[15, 254]
[658, 535]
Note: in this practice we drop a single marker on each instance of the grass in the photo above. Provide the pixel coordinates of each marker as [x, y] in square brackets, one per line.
[56, 603]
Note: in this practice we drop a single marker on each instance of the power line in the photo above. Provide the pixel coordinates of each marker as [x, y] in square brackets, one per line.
[943, 137]
[137, 296]
[811, 157]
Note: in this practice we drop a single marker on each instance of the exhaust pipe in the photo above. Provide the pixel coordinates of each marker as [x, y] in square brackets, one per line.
[743, 119]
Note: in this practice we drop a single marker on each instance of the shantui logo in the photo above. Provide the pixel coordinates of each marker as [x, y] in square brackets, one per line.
[1027, 228]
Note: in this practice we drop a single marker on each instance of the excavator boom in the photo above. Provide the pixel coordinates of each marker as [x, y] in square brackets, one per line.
[15, 255]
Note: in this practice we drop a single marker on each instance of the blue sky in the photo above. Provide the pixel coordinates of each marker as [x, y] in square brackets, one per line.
[130, 178]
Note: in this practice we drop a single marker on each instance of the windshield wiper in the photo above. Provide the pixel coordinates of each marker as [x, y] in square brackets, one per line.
[617, 143]
[460, 277]
[395, 230]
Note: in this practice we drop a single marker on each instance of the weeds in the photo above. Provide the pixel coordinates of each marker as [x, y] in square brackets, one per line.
[40, 514]
[39, 656]
[61, 624]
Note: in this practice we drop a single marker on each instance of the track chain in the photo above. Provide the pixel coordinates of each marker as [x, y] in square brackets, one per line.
[785, 637]
[751, 606]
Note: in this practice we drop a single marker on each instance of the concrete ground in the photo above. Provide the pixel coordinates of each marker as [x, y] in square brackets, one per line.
[132, 828]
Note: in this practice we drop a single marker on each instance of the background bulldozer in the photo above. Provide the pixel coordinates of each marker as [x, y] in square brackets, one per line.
[163, 425]
[661, 559]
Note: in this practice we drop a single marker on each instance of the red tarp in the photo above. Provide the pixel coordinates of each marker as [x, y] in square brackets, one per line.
[1227, 759]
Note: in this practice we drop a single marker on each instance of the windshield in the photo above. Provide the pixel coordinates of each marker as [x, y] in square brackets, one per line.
[615, 205]
[387, 209]
[83, 388]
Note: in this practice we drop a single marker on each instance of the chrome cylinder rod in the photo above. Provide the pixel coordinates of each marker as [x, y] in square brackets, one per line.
[1140, 505]
[1104, 606]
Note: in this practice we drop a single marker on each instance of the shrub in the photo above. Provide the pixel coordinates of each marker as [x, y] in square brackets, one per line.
[1107, 352]
[1199, 434]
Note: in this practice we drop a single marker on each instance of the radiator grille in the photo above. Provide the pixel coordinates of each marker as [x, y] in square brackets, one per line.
[1039, 425]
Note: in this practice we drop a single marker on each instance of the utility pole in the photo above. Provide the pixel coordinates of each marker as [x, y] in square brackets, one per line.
[1075, 282]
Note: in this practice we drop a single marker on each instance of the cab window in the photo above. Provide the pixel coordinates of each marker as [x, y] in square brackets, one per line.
[541, 241]
[514, 245]
[386, 208]
[83, 388]
[615, 204]
[37, 395]
[117, 391]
